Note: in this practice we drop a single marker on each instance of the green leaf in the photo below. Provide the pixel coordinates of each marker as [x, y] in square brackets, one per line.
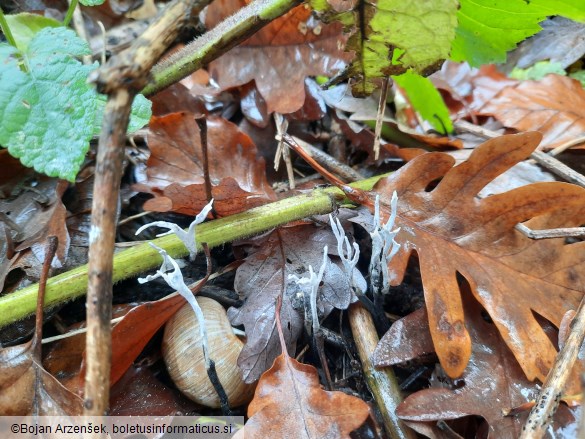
[139, 114]
[488, 29]
[420, 29]
[24, 27]
[426, 100]
[538, 71]
[91, 2]
[47, 111]
[579, 76]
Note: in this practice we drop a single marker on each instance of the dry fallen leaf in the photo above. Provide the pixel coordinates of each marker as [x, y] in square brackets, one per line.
[289, 402]
[264, 276]
[553, 106]
[492, 383]
[175, 170]
[26, 388]
[512, 276]
[279, 56]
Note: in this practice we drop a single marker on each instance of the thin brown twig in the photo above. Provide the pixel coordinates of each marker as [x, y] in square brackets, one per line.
[546, 161]
[564, 232]
[344, 171]
[202, 124]
[380, 115]
[121, 78]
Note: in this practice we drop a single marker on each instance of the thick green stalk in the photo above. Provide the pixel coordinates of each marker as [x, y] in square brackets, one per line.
[227, 34]
[70, 12]
[143, 257]
[6, 29]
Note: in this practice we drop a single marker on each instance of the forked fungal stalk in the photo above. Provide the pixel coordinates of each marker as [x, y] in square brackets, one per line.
[175, 280]
[349, 256]
[313, 282]
[384, 247]
[187, 237]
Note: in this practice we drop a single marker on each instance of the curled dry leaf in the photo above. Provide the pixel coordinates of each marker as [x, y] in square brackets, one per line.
[175, 170]
[289, 402]
[553, 106]
[279, 56]
[492, 384]
[512, 276]
[26, 388]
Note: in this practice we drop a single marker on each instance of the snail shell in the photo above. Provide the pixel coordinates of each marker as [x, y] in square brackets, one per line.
[183, 355]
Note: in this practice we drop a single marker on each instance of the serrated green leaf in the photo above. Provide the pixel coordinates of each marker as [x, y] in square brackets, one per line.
[426, 100]
[422, 30]
[47, 112]
[488, 29]
[91, 2]
[538, 71]
[25, 26]
[139, 114]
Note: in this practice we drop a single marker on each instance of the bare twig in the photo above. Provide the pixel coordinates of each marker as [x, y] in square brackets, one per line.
[202, 125]
[546, 161]
[120, 79]
[382, 383]
[568, 144]
[565, 232]
[550, 394]
[51, 249]
[380, 116]
[347, 173]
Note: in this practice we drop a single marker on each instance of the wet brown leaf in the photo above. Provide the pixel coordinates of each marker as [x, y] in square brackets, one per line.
[492, 383]
[280, 56]
[30, 210]
[512, 276]
[26, 388]
[554, 106]
[127, 396]
[175, 172]
[289, 402]
[264, 276]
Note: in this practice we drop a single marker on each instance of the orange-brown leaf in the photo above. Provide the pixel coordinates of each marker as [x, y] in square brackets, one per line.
[554, 106]
[289, 402]
[491, 385]
[279, 56]
[512, 276]
[175, 169]
[26, 388]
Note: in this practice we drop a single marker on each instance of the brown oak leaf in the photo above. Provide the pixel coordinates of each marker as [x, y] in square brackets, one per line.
[289, 402]
[513, 277]
[492, 384]
[553, 106]
[279, 56]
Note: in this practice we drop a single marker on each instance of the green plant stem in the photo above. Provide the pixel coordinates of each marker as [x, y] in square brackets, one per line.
[70, 12]
[143, 257]
[6, 29]
[227, 34]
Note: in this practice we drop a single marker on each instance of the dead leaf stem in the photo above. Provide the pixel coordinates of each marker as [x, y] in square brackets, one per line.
[138, 259]
[382, 383]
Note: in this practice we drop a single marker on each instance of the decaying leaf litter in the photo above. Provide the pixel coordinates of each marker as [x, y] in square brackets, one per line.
[478, 259]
